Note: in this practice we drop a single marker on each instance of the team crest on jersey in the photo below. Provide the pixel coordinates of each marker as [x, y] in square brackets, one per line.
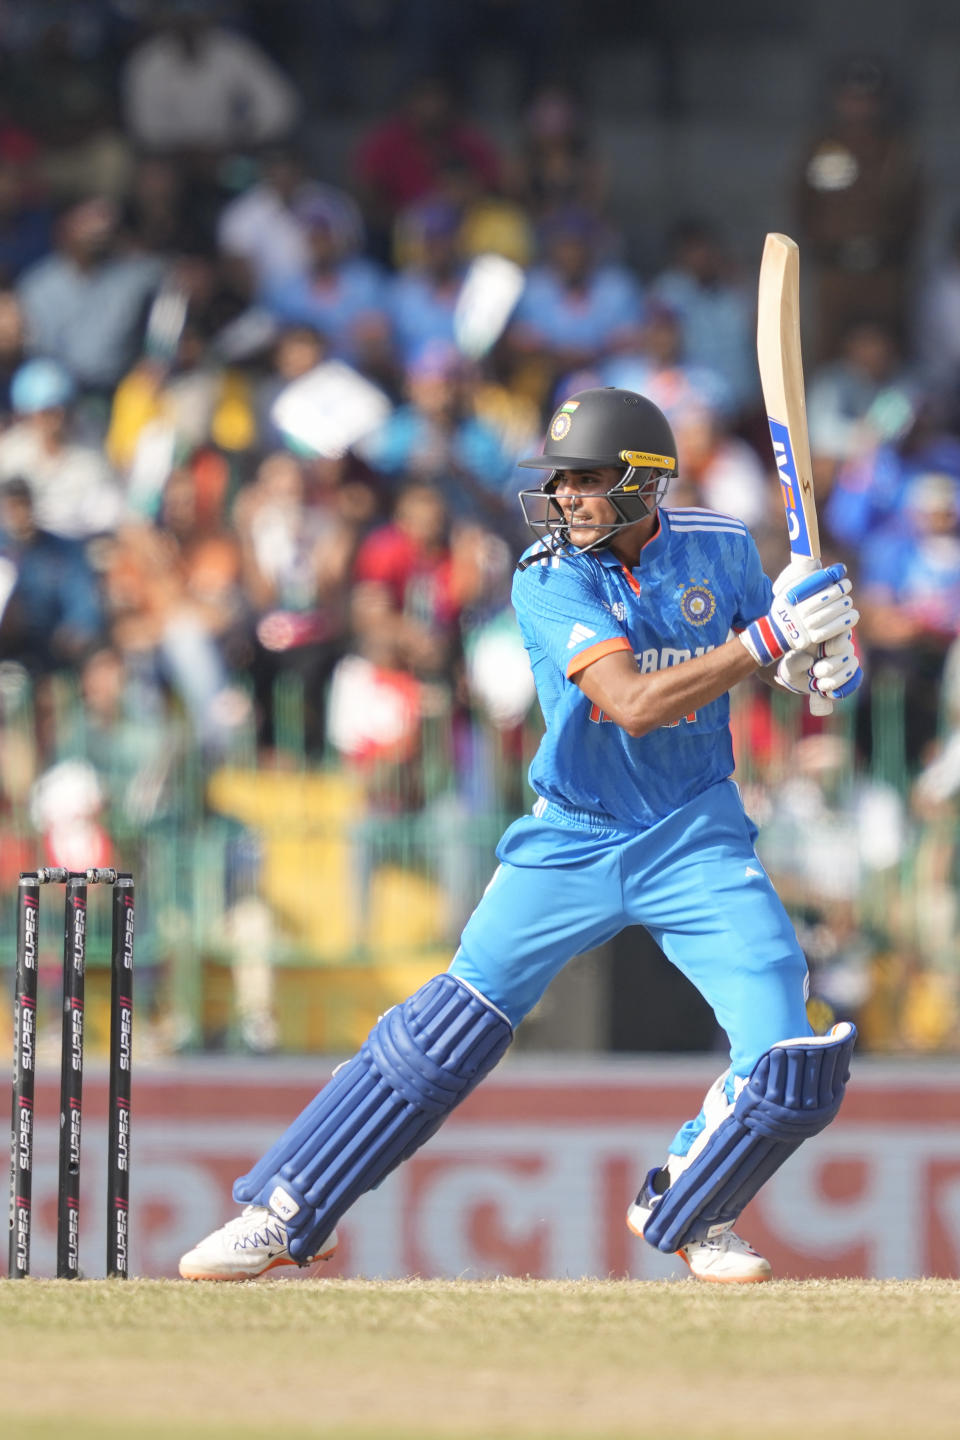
[698, 604]
[560, 426]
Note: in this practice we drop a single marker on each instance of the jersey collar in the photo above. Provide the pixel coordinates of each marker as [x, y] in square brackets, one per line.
[651, 551]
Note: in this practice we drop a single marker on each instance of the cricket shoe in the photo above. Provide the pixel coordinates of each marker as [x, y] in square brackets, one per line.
[721, 1259]
[246, 1247]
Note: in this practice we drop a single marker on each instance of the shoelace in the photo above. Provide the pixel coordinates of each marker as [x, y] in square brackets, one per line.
[728, 1241]
[272, 1232]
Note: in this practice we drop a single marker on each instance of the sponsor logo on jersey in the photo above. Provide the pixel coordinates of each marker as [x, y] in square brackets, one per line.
[560, 426]
[698, 604]
[618, 609]
[667, 656]
[578, 634]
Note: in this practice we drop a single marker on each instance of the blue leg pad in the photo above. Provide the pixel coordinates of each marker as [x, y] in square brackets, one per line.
[419, 1061]
[794, 1090]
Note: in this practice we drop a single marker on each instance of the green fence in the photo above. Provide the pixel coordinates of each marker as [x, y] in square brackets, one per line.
[317, 877]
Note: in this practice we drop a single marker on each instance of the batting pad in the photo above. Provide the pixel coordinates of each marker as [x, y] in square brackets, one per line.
[418, 1062]
[793, 1092]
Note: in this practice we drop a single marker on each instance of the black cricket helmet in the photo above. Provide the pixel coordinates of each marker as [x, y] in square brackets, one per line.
[606, 427]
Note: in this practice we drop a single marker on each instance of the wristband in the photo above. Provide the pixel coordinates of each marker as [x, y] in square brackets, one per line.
[765, 641]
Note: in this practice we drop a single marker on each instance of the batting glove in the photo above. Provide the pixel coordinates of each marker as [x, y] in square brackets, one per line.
[833, 670]
[798, 569]
[804, 615]
[838, 671]
[795, 672]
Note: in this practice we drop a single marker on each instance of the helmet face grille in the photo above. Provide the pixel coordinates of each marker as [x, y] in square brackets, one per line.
[630, 498]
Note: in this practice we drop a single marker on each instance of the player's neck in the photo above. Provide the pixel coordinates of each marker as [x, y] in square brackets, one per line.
[628, 544]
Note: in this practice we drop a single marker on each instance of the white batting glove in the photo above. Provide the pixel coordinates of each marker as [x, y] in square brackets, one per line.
[795, 672]
[798, 569]
[832, 670]
[837, 672]
[803, 616]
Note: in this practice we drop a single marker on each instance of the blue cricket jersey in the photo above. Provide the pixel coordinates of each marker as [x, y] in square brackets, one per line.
[699, 578]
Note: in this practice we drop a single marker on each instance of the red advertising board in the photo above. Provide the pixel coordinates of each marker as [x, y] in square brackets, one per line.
[533, 1174]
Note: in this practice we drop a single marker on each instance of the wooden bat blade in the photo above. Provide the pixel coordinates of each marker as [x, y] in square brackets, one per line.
[780, 360]
[781, 377]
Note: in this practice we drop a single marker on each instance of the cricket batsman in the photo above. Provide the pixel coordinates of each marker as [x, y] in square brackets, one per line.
[638, 620]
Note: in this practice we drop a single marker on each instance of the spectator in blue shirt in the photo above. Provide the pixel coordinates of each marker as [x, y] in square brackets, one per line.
[265, 231]
[716, 314]
[858, 400]
[910, 600]
[85, 305]
[342, 295]
[576, 307]
[423, 294]
[868, 492]
[51, 610]
[438, 438]
[655, 365]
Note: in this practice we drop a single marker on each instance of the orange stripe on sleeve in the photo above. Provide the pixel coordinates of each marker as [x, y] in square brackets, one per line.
[596, 652]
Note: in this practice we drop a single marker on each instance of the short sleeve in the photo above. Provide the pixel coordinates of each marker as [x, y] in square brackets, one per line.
[562, 615]
[756, 595]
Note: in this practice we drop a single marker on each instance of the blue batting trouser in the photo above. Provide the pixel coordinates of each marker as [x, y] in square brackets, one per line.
[567, 883]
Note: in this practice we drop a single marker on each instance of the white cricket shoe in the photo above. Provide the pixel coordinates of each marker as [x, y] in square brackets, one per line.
[248, 1246]
[723, 1259]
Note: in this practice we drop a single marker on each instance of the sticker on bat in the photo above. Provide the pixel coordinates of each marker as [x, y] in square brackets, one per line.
[787, 470]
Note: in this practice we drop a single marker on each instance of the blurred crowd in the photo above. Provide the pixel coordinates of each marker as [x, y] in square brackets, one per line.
[249, 436]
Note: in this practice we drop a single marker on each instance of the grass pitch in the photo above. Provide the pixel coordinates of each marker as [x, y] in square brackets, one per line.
[504, 1360]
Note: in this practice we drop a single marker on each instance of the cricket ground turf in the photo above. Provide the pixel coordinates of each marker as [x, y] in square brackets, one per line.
[495, 1360]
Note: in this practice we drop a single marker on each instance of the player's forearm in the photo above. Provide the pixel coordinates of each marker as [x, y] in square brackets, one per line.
[641, 703]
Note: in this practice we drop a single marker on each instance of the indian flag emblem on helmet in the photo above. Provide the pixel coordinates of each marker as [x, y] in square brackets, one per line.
[560, 426]
[697, 604]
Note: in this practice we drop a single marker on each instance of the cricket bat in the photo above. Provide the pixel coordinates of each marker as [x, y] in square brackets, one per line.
[781, 376]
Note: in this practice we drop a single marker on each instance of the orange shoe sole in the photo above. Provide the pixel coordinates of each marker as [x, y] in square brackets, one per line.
[280, 1263]
[707, 1279]
[723, 1280]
